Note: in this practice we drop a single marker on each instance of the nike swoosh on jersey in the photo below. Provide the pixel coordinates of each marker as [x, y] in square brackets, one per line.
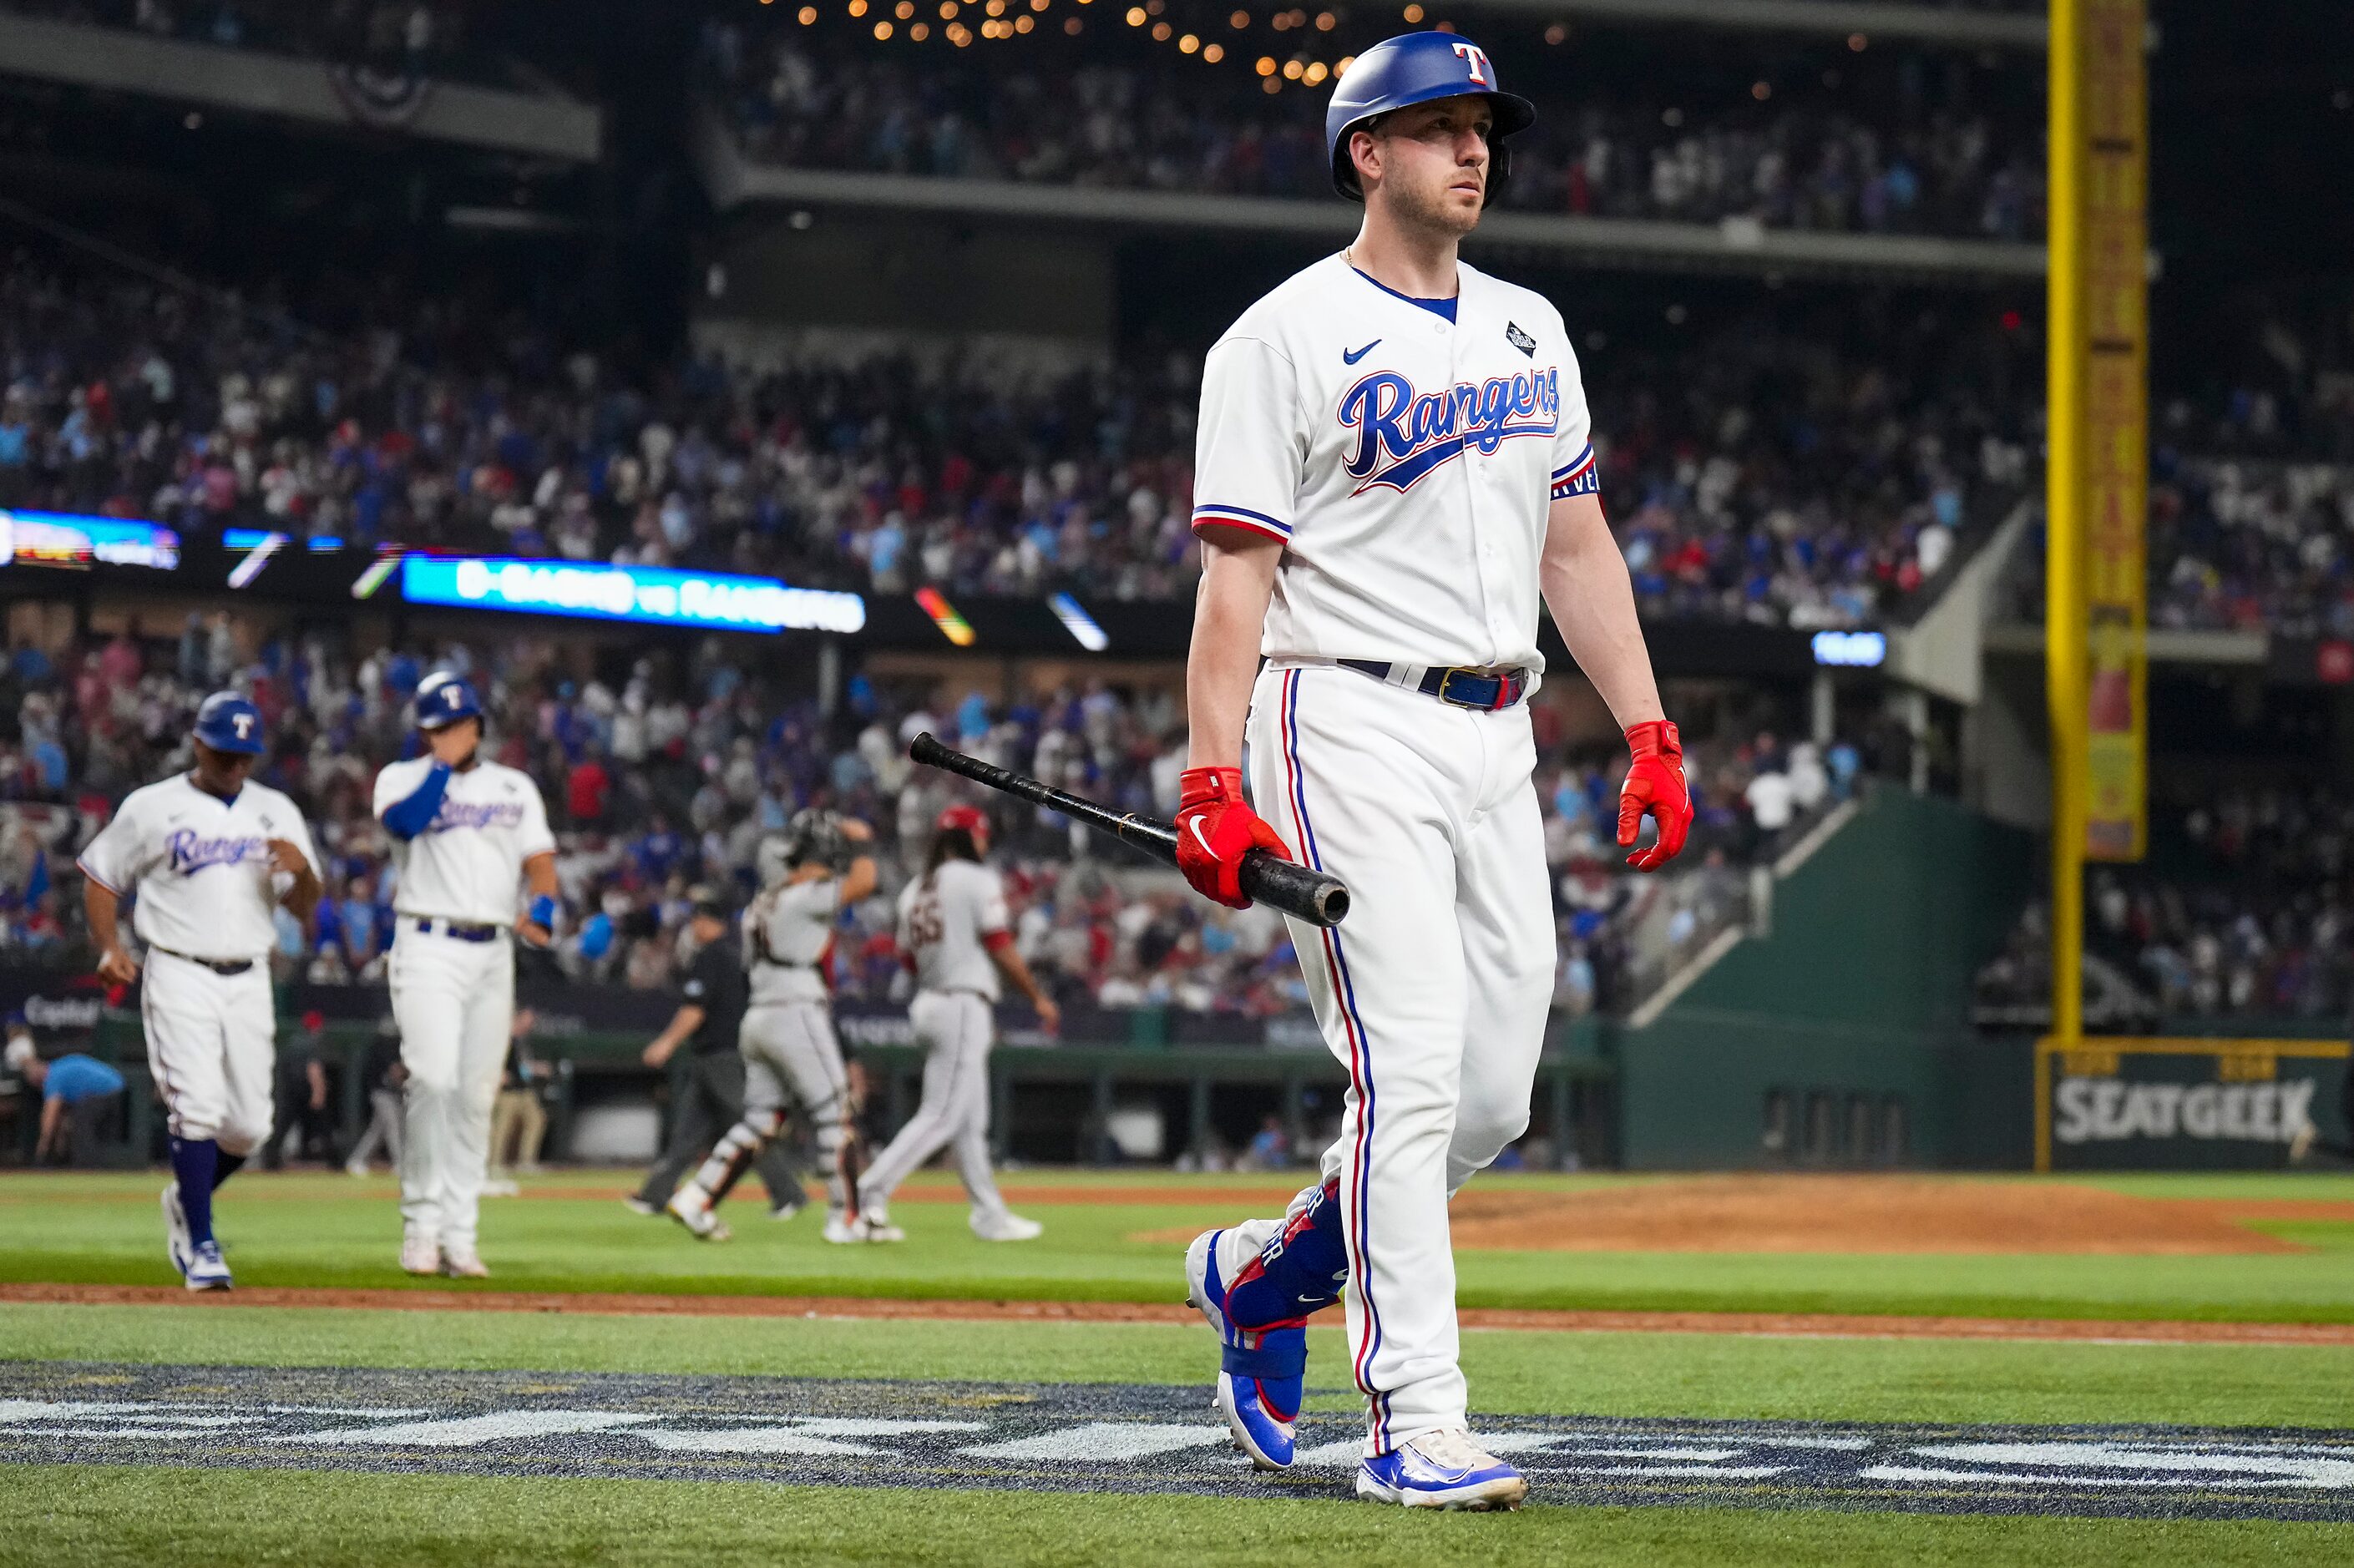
[1348, 358]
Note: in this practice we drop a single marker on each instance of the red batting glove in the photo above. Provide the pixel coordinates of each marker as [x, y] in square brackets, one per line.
[1215, 828]
[1655, 785]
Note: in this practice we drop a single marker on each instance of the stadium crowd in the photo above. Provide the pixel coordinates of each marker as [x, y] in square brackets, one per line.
[2237, 544]
[2252, 483]
[2251, 544]
[674, 774]
[1080, 121]
[2243, 909]
[1793, 478]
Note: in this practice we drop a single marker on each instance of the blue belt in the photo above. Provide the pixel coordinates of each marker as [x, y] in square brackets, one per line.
[1486, 690]
[456, 931]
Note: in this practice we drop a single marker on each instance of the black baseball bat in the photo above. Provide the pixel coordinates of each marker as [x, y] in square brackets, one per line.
[1315, 896]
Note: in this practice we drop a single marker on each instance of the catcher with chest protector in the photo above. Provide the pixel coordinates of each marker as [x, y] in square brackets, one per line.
[791, 1057]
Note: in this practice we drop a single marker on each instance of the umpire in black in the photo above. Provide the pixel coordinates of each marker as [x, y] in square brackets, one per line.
[707, 1090]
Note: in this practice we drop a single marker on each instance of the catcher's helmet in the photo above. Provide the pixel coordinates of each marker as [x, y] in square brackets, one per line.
[813, 835]
[1416, 67]
[443, 699]
[227, 722]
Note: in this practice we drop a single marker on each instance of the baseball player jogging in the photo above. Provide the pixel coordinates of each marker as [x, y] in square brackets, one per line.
[791, 1055]
[464, 832]
[955, 934]
[1392, 465]
[209, 855]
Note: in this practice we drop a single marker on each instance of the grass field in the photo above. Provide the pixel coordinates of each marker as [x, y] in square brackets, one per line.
[574, 1235]
[164, 1505]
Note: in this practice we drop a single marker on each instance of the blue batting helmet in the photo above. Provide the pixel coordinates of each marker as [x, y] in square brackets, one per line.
[1416, 67]
[227, 722]
[443, 699]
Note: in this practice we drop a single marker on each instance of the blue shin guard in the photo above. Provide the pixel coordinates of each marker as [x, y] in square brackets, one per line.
[1298, 1273]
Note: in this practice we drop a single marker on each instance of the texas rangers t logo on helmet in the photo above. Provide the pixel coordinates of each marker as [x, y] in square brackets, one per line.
[1475, 62]
[444, 698]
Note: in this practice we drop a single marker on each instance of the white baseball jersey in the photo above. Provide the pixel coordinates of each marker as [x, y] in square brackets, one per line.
[201, 865]
[1407, 461]
[785, 934]
[945, 920]
[467, 863]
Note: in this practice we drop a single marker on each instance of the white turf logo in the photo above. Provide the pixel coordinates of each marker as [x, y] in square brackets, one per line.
[2109, 1110]
[1475, 60]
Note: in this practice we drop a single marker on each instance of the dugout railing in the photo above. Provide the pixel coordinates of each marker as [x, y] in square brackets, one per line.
[1052, 1104]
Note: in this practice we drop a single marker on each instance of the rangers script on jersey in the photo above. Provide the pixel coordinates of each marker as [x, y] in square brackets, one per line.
[1407, 461]
[466, 863]
[201, 865]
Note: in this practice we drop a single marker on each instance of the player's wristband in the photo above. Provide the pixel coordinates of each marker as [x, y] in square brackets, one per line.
[543, 912]
[1655, 737]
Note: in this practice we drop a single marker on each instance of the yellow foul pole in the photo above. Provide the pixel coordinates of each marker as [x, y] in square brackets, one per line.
[2098, 469]
[2063, 613]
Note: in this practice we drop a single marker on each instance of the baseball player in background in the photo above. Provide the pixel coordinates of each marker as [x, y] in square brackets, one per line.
[1391, 466]
[464, 830]
[791, 1057]
[707, 1092]
[209, 855]
[955, 935]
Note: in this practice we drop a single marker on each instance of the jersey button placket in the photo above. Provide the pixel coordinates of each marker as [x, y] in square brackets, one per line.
[1474, 468]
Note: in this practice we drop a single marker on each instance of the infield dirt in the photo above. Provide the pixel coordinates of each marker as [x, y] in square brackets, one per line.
[1867, 1214]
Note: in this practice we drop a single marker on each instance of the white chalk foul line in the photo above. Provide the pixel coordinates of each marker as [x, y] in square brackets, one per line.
[1101, 1442]
[807, 1434]
[469, 1431]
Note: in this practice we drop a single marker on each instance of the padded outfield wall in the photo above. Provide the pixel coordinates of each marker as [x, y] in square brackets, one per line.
[1850, 1021]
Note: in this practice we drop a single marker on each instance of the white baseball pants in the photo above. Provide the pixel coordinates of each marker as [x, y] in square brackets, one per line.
[454, 1003]
[212, 1045]
[954, 1028]
[1433, 993]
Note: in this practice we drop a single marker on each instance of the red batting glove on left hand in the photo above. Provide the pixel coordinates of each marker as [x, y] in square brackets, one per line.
[1655, 785]
[1215, 827]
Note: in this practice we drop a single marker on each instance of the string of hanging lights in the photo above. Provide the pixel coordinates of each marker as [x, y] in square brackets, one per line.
[961, 24]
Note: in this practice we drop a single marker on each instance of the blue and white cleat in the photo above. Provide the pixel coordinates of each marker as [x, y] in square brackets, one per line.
[206, 1270]
[1442, 1469]
[1260, 1370]
[176, 1244]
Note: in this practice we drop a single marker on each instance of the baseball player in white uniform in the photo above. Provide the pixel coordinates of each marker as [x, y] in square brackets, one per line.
[1392, 465]
[790, 1055]
[955, 934]
[208, 854]
[465, 830]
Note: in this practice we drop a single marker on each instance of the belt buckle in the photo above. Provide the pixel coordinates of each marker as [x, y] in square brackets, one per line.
[1447, 676]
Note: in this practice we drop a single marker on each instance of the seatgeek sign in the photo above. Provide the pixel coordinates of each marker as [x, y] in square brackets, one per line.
[2153, 1104]
[715, 601]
